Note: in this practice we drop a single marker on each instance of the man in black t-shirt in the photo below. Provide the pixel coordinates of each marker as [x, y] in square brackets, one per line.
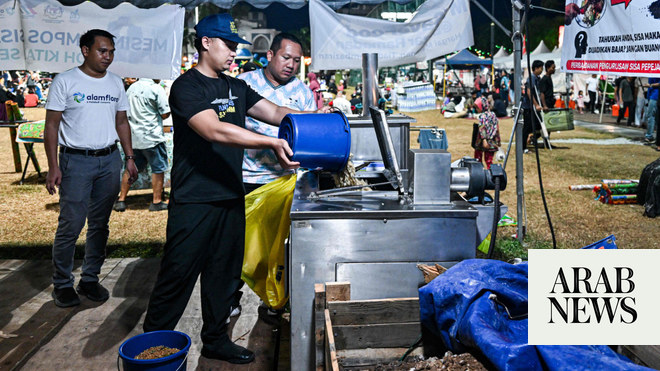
[530, 103]
[206, 216]
[546, 90]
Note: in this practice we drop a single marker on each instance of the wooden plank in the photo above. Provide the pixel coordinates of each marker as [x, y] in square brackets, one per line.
[319, 324]
[330, 348]
[648, 355]
[15, 150]
[364, 312]
[392, 335]
[31, 314]
[338, 291]
[360, 358]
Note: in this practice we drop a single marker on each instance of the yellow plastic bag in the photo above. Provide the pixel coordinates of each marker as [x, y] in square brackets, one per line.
[267, 225]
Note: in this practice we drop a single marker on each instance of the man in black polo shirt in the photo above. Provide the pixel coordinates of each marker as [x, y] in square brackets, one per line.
[206, 220]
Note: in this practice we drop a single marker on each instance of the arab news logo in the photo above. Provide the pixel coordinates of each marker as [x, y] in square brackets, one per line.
[79, 97]
[233, 28]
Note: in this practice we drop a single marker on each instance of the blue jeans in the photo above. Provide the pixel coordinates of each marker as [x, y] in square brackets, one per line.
[650, 118]
[88, 190]
[155, 156]
[639, 107]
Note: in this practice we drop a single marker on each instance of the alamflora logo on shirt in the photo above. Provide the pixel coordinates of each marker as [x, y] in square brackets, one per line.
[91, 98]
[79, 97]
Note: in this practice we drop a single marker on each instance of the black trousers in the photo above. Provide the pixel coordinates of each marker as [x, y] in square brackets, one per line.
[592, 101]
[657, 130]
[530, 123]
[630, 106]
[206, 239]
[236, 301]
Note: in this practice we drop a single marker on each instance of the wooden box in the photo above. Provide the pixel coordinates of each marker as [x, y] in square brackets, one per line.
[359, 334]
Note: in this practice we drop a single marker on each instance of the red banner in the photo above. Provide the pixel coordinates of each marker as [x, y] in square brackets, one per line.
[615, 67]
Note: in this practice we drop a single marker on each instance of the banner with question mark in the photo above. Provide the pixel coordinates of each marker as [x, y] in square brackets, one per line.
[612, 37]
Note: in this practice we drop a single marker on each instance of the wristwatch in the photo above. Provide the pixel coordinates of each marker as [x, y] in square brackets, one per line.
[129, 157]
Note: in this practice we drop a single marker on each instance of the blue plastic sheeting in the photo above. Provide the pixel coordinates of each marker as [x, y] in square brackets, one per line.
[606, 243]
[456, 306]
[432, 139]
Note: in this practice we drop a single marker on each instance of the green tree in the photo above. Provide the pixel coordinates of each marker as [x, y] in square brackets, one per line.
[305, 38]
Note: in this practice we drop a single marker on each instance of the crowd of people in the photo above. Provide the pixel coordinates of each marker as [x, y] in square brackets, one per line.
[636, 97]
[26, 88]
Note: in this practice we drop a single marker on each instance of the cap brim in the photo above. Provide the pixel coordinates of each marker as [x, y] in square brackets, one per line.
[236, 39]
[229, 37]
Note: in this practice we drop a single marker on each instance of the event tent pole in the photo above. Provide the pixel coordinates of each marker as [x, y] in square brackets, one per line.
[517, 85]
[516, 37]
[444, 81]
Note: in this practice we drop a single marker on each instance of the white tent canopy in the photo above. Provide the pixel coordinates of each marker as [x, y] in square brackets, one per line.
[541, 49]
[501, 53]
[507, 62]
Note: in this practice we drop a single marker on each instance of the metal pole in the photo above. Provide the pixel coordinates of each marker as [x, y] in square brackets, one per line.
[517, 82]
[444, 82]
[492, 46]
[369, 82]
[602, 104]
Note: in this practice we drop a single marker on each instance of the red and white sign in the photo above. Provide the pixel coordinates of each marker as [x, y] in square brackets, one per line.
[618, 37]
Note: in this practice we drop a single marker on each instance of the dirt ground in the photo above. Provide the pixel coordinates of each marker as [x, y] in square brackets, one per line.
[449, 362]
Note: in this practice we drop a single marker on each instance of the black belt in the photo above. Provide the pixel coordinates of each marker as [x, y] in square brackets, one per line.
[89, 152]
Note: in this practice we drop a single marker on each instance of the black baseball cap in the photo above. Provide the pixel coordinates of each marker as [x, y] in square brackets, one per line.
[219, 25]
[249, 66]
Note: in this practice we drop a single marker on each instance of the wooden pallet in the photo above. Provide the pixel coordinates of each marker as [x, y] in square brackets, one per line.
[645, 355]
[361, 333]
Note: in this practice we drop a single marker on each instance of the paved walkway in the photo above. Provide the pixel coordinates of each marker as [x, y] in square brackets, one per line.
[37, 335]
[608, 127]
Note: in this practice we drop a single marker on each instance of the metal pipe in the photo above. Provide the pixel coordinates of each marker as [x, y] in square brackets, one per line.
[369, 82]
[517, 80]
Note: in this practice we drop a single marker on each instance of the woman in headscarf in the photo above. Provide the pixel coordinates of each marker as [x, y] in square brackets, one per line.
[488, 138]
[315, 87]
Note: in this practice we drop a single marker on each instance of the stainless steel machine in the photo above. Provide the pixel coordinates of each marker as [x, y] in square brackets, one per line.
[375, 238]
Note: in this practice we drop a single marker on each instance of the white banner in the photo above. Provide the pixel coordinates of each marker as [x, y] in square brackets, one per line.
[11, 37]
[44, 35]
[439, 27]
[619, 37]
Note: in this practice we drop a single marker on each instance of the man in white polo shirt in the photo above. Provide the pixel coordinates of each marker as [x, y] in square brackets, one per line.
[85, 116]
[149, 108]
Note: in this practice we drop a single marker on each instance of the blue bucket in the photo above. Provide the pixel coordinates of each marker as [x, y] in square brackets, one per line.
[318, 140]
[139, 343]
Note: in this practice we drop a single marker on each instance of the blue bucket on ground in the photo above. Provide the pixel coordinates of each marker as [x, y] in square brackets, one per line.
[318, 140]
[130, 348]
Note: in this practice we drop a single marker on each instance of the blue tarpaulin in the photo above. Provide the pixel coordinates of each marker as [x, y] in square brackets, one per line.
[459, 307]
